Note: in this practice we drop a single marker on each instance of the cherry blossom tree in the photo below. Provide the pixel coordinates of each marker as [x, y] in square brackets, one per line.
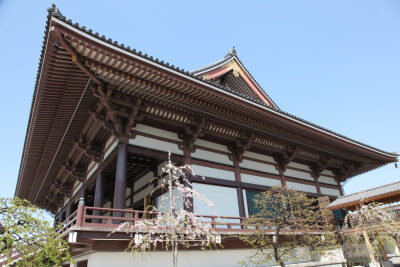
[173, 223]
[372, 225]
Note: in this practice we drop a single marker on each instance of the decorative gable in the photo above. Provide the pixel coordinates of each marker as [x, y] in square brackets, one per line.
[230, 72]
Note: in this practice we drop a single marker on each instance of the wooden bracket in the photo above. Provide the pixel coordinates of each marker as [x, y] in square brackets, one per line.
[77, 171]
[241, 146]
[283, 159]
[92, 150]
[190, 134]
[75, 57]
[320, 166]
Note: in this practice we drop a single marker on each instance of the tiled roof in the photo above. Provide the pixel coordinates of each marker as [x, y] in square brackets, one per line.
[54, 12]
[366, 194]
[228, 57]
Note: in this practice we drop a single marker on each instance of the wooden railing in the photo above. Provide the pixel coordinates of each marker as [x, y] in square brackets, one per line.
[68, 223]
[94, 217]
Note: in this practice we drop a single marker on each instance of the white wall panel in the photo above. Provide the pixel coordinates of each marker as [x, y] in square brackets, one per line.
[302, 187]
[213, 172]
[252, 165]
[110, 141]
[92, 168]
[258, 156]
[157, 132]
[298, 174]
[212, 145]
[140, 195]
[211, 156]
[330, 191]
[143, 180]
[299, 166]
[252, 179]
[155, 144]
[110, 149]
[327, 172]
[327, 180]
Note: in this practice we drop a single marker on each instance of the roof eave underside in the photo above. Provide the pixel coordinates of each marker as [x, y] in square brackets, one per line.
[182, 73]
[156, 63]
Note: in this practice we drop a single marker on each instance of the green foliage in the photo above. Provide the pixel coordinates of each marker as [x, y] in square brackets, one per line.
[286, 220]
[24, 234]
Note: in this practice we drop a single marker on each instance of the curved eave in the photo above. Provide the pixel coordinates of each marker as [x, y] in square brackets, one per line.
[392, 157]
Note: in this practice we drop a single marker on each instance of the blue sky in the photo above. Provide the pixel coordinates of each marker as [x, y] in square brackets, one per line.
[335, 63]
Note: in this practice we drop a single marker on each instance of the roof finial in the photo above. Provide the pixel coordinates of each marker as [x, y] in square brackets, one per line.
[54, 10]
[232, 52]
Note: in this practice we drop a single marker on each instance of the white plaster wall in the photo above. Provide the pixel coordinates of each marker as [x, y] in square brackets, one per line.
[299, 166]
[92, 168]
[329, 191]
[211, 156]
[302, 187]
[192, 258]
[252, 179]
[143, 193]
[204, 143]
[212, 172]
[327, 172]
[143, 180]
[222, 258]
[109, 141]
[157, 132]
[253, 165]
[258, 156]
[147, 142]
[298, 174]
[327, 180]
[111, 148]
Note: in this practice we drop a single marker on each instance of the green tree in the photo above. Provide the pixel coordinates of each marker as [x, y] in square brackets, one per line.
[26, 236]
[285, 221]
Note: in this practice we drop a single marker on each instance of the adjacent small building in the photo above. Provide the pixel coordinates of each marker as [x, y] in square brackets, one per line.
[104, 117]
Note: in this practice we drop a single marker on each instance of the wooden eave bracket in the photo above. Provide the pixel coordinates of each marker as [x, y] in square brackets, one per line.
[319, 167]
[116, 114]
[241, 146]
[283, 159]
[190, 134]
[76, 59]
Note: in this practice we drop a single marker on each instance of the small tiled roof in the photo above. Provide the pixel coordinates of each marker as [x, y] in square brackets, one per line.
[369, 194]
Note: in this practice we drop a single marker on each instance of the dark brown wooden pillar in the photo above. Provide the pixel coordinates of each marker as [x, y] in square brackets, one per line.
[316, 180]
[120, 179]
[239, 189]
[98, 195]
[339, 185]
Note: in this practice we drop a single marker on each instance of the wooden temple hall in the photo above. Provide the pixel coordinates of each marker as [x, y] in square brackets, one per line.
[104, 117]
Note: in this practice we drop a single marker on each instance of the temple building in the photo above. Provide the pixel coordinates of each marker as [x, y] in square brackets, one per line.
[104, 117]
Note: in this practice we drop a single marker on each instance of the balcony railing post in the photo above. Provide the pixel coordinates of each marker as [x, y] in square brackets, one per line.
[79, 213]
